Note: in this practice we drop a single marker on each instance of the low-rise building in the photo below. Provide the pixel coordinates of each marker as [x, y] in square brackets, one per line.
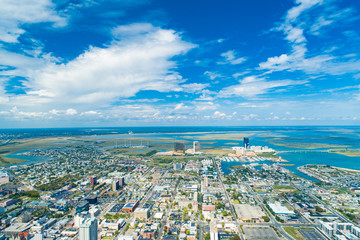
[142, 213]
[130, 206]
[280, 209]
[7, 202]
[17, 229]
[208, 207]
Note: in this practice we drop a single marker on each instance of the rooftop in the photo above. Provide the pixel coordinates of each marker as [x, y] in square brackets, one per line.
[18, 227]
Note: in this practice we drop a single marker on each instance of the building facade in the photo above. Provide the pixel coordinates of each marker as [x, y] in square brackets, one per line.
[88, 229]
[196, 146]
[246, 143]
[179, 147]
[93, 180]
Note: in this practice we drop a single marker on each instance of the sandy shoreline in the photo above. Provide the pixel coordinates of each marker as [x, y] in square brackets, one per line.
[347, 169]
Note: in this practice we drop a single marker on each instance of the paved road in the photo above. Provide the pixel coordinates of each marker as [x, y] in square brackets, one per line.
[103, 211]
[165, 218]
[328, 207]
[282, 224]
[113, 203]
[200, 223]
[229, 202]
[303, 217]
[273, 220]
[141, 204]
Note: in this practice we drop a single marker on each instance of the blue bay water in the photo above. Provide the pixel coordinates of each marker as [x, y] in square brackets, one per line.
[301, 158]
[321, 158]
[27, 159]
[348, 137]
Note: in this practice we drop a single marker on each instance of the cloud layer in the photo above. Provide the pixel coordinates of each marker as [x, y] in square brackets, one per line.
[15, 14]
[110, 62]
[139, 58]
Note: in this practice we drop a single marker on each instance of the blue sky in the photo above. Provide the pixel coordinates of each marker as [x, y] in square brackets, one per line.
[170, 63]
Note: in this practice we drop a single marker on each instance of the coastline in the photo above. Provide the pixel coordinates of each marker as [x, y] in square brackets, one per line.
[319, 176]
[17, 158]
[348, 153]
[347, 169]
[310, 174]
[4, 161]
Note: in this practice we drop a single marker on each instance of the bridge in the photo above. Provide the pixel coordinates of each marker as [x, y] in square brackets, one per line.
[302, 151]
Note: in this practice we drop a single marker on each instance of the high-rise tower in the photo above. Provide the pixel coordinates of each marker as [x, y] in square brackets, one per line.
[88, 229]
[246, 143]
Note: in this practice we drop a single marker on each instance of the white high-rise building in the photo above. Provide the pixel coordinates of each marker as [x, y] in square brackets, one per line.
[206, 181]
[177, 166]
[88, 229]
[196, 146]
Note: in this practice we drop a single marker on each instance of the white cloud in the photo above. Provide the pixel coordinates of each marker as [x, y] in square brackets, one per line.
[204, 106]
[229, 57]
[252, 105]
[23, 65]
[212, 75]
[296, 60]
[20, 115]
[304, 5]
[14, 14]
[206, 95]
[138, 59]
[294, 33]
[3, 98]
[221, 115]
[239, 74]
[332, 15]
[70, 111]
[293, 27]
[91, 112]
[250, 116]
[55, 112]
[180, 106]
[357, 76]
[218, 114]
[319, 23]
[194, 87]
[275, 61]
[252, 86]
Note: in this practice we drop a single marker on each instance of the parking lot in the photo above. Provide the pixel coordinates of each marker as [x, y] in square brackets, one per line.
[105, 200]
[260, 233]
[117, 208]
[311, 234]
[247, 211]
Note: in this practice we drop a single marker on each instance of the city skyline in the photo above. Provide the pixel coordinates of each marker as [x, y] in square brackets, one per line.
[179, 63]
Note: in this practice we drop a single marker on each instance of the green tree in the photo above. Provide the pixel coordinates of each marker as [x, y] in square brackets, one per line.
[266, 218]
[225, 213]
[319, 209]
[32, 194]
[236, 237]
[207, 236]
